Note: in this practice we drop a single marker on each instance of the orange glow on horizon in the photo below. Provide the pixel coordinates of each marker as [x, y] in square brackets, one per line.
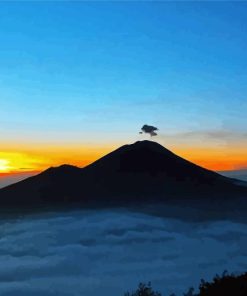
[35, 160]
[215, 158]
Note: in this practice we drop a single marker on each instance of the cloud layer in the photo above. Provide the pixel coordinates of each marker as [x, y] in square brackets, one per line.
[106, 252]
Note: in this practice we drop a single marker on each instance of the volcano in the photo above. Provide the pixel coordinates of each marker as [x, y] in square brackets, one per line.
[143, 171]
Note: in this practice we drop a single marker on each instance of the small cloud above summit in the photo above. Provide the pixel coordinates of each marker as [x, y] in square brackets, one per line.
[149, 129]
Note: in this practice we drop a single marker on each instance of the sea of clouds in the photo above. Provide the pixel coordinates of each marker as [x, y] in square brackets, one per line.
[107, 252]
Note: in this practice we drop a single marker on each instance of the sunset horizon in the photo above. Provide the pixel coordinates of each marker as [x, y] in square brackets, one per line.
[14, 163]
[74, 91]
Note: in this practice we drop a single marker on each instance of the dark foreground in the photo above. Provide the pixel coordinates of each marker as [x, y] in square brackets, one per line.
[227, 285]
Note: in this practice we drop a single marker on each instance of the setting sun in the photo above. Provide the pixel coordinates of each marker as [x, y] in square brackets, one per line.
[11, 162]
[4, 165]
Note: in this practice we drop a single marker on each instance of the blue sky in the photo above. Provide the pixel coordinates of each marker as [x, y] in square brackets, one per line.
[97, 71]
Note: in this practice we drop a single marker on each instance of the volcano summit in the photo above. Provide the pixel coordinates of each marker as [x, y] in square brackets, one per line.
[140, 172]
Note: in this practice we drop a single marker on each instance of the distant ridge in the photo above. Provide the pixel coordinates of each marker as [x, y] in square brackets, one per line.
[143, 171]
[239, 174]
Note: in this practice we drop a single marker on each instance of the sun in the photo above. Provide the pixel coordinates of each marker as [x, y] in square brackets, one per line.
[4, 165]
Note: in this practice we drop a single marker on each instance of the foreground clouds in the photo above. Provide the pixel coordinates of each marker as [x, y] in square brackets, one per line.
[109, 252]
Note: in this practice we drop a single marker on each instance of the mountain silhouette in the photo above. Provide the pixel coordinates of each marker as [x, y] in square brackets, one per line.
[143, 171]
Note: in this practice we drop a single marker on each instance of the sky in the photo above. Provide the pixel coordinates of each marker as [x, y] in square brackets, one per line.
[79, 79]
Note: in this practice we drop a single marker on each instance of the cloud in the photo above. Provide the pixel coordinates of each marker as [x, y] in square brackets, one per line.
[216, 134]
[149, 129]
[100, 251]
[229, 137]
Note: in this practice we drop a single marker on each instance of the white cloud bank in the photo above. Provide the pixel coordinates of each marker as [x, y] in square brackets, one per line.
[108, 252]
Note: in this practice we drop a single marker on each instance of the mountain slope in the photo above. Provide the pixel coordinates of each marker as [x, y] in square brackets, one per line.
[141, 171]
[147, 170]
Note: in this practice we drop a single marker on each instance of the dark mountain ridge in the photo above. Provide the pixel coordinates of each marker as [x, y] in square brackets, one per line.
[143, 171]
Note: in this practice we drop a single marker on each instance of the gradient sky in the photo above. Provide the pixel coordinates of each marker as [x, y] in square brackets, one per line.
[78, 79]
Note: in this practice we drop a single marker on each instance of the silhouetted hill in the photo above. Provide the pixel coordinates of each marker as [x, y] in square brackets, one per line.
[143, 171]
[225, 285]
